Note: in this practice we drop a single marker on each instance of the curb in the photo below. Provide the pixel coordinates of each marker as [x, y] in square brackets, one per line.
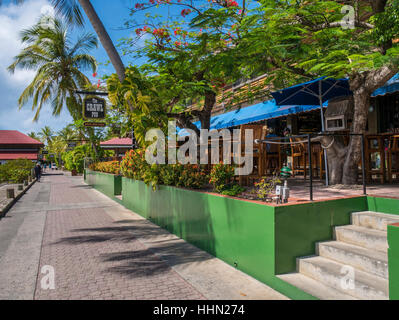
[9, 206]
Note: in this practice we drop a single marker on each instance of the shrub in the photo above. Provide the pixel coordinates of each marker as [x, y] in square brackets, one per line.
[192, 176]
[265, 187]
[112, 167]
[233, 190]
[16, 171]
[74, 160]
[221, 178]
[134, 165]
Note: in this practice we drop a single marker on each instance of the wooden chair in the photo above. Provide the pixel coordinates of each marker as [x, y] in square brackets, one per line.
[393, 158]
[374, 145]
[272, 159]
[259, 133]
[298, 154]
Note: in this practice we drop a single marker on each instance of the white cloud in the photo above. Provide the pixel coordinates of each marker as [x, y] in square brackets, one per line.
[13, 19]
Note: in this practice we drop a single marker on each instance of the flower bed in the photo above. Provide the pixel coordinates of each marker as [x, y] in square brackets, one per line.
[112, 167]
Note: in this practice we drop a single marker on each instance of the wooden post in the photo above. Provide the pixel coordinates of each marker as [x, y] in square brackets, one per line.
[10, 193]
[25, 183]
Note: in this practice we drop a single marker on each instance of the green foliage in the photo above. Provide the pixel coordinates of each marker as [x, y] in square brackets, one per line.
[74, 160]
[233, 190]
[221, 177]
[138, 99]
[305, 39]
[16, 171]
[266, 186]
[135, 166]
[57, 61]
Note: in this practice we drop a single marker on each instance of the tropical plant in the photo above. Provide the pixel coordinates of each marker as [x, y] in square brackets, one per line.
[70, 9]
[35, 136]
[74, 160]
[16, 171]
[293, 41]
[112, 167]
[265, 187]
[58, 62]
[46, 134]
[221, 177]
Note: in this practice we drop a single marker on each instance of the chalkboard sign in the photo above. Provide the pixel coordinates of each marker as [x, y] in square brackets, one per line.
[94, 108]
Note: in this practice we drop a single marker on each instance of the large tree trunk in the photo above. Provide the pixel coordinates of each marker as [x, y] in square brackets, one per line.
[104, 38]
[362, 85]
[336, 152]
[205, 115]
[362, 104]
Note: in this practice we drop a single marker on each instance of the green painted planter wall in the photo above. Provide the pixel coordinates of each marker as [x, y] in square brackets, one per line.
[384, 205]
[238, 232]
[299, 227]
[262, 241]
[109, 184]
[393, 261]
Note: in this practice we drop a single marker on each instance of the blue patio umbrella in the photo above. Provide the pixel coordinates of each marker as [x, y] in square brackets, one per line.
[314, 92]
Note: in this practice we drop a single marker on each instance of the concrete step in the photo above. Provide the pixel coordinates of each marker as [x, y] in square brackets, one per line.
[331, 273]
[367, 260]
[314, 288]
[374, 220]
[363, 237]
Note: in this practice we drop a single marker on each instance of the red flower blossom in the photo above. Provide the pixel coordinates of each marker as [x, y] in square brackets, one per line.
[185, 12]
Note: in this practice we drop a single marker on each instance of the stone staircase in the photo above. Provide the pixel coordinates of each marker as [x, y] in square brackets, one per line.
[361, 246]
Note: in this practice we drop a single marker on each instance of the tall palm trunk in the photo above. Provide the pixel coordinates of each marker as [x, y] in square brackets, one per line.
[104, 38]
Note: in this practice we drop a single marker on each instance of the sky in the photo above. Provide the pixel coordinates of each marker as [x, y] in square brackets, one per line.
[13, 19]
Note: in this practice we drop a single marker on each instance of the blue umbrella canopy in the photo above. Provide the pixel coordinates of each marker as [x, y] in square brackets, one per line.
[314, 92]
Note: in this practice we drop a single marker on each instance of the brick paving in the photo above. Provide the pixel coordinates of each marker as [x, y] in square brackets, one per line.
[94, 260]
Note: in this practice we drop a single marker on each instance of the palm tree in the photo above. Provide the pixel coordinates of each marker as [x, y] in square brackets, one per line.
[70, 9]
[34, 135]
[67, 134]
[49, 51]
[46, 134]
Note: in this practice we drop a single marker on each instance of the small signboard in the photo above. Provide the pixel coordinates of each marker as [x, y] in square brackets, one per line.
[94, 124]
[44, 151]
[94, 108]
[72, 145]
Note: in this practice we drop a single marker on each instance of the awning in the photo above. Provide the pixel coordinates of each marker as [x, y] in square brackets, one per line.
[258, 112]
[15, 156]
[312, 92]
[390, 87]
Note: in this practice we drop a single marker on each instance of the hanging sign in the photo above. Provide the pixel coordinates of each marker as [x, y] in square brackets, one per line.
[94, 124]
[94, 108]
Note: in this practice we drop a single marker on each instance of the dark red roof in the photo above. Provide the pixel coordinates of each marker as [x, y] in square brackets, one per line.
[124, 142]
[15, 156]
[17, 138]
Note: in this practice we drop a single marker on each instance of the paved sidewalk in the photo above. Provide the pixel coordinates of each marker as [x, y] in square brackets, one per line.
[100, 250]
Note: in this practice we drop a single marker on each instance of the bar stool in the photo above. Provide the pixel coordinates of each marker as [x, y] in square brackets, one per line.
[298, 155]
[393, 158]
[375, 146]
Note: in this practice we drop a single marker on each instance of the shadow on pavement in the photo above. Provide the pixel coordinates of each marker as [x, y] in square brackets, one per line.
[142, 261]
